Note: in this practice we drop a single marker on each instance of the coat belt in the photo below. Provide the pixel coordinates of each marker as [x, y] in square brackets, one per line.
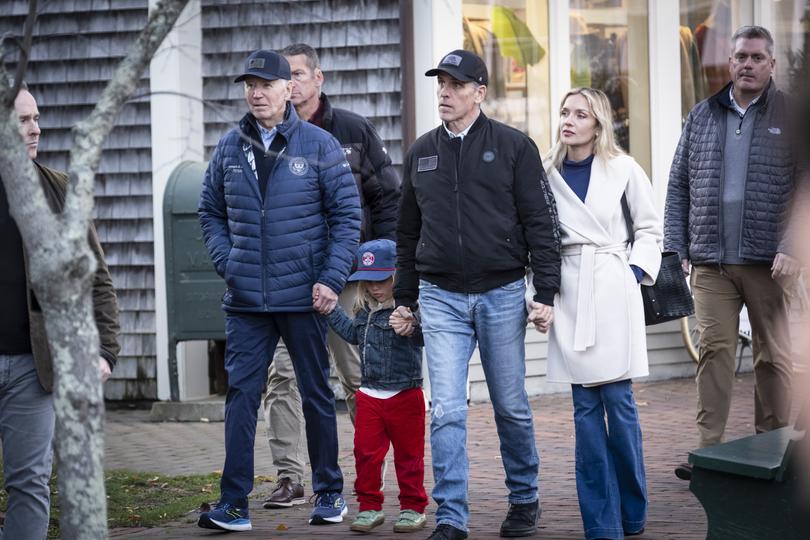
[585, 324]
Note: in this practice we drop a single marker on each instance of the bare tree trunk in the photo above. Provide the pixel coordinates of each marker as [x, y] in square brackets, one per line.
[61, 267]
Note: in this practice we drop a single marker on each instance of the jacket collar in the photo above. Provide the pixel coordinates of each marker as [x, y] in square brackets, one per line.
[327, 114]
[476, 126]
[721, 98]
[285, 127]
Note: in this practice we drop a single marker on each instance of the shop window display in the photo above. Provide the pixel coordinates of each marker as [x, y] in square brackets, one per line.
[512, 38]
[705, 38]
[609, 51]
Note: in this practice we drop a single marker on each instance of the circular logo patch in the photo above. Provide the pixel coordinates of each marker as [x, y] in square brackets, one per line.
[299, 166]
[488, 156]
[367, 258]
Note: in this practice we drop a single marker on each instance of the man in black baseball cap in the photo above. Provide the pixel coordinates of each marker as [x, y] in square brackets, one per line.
[463, 66]
[475, 211]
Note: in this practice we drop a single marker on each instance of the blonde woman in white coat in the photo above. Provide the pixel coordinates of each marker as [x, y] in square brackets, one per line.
[598, 339]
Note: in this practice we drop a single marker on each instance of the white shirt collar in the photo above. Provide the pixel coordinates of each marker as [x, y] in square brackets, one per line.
[267, 135]
[463, 133]
[736, 105]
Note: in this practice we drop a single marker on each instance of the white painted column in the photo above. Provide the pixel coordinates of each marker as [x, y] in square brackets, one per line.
[665, 93]
[177, 135]
[559, 45]
[437, 30]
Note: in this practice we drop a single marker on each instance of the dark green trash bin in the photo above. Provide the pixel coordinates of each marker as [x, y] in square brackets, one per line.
[193, 289]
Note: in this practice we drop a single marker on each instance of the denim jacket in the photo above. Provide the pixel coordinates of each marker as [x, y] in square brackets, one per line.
[388, 361]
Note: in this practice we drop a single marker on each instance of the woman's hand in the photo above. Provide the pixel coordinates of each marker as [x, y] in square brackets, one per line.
[541, 316]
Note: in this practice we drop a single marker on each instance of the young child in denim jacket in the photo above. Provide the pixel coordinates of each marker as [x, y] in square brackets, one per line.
[390, 403]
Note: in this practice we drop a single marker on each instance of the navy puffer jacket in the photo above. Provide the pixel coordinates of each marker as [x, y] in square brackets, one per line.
[305, 231]
[693, 214]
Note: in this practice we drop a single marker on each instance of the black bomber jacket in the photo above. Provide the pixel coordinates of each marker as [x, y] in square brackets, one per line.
[475, 223]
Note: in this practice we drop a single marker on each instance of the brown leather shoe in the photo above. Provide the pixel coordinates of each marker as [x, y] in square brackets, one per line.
[286, 494]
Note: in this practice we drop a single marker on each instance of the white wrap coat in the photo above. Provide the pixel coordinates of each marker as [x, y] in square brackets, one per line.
[598, 334]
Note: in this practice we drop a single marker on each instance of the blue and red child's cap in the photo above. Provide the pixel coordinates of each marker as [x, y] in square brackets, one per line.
[376, 261]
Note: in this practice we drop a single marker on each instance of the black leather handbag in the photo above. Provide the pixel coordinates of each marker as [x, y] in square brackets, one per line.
[670, 297]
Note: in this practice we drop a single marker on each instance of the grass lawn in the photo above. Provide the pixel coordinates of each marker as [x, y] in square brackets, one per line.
[136, 499]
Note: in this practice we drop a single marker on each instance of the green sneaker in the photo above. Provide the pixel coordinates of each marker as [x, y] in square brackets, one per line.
[367, 520]
[409, 521]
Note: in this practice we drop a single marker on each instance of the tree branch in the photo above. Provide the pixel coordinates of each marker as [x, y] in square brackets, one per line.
[25, 50]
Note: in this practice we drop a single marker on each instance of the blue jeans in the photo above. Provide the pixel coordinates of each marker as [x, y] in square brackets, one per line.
[250, 343]
[26, 430]
[611, 484]
[452, 323]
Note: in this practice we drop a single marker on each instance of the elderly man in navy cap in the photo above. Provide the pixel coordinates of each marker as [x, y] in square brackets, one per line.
[280, 216]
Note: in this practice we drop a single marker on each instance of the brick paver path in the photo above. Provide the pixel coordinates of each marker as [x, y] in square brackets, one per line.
[667, 413]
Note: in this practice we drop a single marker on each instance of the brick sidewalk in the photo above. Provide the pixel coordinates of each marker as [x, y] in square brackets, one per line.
[667, 413]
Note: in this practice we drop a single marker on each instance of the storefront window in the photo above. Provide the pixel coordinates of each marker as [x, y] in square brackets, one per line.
[790, 19]
[512, 38]
[705, 35]
[609, 51]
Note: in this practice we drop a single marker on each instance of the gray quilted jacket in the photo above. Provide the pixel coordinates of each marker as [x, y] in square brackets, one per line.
[693, 213]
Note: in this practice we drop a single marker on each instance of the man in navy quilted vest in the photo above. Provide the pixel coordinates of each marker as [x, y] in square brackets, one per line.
[730, 189]
[280, 216]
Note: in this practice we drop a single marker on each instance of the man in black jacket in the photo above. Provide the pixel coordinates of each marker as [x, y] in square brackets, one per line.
[476, 210]
[728, 197]
[378, 186]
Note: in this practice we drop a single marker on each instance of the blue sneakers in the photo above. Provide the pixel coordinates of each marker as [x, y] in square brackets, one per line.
[329, 508]
[225, 517]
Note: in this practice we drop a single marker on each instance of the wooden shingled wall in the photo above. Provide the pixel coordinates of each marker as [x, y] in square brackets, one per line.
[77, 44]
[358, 42]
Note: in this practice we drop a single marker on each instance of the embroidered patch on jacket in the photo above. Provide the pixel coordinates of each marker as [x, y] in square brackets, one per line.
[774, 131]
[488, 156]
[429, 163]
[299, 166]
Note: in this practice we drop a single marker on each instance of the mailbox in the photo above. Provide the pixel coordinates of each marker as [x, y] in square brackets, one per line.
[193, 289]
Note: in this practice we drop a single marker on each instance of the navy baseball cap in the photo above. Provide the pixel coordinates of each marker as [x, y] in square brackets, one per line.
[462, 65]
[268, 65]
[376, 261]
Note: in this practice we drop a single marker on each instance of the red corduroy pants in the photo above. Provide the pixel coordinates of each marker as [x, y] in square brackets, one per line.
[399, 422]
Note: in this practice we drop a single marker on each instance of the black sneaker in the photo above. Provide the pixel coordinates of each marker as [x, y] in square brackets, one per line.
[521, 519]
[684, 471]
[447, 532]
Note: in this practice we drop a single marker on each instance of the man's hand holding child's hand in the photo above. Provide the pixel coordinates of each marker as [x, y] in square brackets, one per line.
[403, 321]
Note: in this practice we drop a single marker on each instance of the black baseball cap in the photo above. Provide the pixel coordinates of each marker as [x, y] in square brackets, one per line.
[462, 65]
[268, 65]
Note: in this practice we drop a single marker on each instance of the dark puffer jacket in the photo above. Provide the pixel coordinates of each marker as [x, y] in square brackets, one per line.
[377, 181]
[693, 215]
[305, 229]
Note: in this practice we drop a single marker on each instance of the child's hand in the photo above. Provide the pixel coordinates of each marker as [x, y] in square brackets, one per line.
[403, 321]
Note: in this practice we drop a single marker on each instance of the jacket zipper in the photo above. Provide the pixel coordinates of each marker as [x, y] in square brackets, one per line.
[261, 240]
[458, 219]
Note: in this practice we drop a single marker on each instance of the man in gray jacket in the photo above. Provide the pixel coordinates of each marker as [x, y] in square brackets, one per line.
[729, 192]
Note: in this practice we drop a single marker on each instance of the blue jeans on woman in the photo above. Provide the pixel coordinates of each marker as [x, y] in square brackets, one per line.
[611, 484]
[452, 323]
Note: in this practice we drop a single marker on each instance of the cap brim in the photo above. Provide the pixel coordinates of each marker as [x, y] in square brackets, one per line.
[453, 72]
[264, 76]
[371, 275]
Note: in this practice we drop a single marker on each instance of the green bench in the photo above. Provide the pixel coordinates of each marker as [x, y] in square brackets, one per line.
[748, 487]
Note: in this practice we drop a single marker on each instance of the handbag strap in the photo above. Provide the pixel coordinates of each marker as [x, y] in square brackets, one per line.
[628, 220]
